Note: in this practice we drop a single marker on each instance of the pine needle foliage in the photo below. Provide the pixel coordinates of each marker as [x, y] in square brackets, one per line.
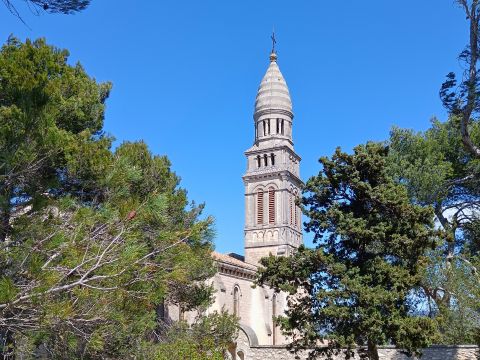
[439, 172]
[93, 241]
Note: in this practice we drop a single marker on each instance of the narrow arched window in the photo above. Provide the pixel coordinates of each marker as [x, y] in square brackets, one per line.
[260, 207]
[281, 127]
[291, 209]
[265, 158]
[296, 210]
[278, 126]
[268, 121]
[236, 301]
[271, 205]
[274, 322]
[272, 158]
[259, 162]
[264, 128]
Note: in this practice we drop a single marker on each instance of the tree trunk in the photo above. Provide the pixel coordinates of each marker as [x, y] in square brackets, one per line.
[372, 350]
[451, 230]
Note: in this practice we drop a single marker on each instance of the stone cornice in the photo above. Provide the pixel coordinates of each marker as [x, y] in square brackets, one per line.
[260, 113]
[235, 271]
[271, 227]
[254, 151]
[257, 245]
[273, 171]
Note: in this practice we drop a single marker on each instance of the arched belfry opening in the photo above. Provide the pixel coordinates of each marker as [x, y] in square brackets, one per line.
[271, 205]
[260, 207]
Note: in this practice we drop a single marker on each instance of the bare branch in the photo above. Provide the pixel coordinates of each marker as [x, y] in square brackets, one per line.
[463, 3]
[85, 277]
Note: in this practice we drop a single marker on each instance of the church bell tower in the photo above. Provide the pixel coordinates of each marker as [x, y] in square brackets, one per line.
[272, 180]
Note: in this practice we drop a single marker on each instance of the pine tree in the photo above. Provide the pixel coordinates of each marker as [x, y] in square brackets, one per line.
[439, 172]
[94, 242]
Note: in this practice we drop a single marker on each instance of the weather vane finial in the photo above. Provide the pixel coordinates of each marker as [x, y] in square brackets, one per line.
[274, 41]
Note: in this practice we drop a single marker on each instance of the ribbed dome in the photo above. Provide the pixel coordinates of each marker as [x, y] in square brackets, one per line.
[273, 95]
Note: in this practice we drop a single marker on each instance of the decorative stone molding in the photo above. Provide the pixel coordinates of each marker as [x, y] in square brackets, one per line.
[236, 271]
[260, 113]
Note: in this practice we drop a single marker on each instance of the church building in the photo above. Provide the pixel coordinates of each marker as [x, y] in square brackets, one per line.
[272, 219]
[273, 226]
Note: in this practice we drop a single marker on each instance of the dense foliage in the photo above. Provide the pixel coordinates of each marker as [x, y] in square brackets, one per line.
[439, 172]
[207, 339]
[92, 241]
[50, 134]
[354, 288]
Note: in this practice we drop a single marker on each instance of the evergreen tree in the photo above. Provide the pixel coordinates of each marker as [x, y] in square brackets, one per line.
[355, 288]
[441, 168]
[94, 242]
[51, 139]
[439, 172]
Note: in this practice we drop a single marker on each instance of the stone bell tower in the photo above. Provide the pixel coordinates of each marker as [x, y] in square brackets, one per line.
[272, 181]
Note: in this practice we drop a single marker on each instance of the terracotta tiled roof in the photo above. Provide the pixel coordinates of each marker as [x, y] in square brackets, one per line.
[233, 261]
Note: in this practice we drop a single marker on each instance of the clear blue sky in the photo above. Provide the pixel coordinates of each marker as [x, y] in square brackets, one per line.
[185, 75]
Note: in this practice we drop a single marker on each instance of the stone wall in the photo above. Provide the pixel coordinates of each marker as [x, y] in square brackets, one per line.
[245, 351]
[255, 308]
[464, 352]
[438, 352]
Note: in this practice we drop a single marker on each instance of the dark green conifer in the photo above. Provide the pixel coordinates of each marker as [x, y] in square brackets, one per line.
[355, 288]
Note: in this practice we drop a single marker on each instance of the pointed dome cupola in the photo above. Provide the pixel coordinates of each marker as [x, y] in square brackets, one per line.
[273, 103]
[273, 94]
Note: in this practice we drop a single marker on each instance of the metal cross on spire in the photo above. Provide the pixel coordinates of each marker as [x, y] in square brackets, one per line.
[274, 41]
